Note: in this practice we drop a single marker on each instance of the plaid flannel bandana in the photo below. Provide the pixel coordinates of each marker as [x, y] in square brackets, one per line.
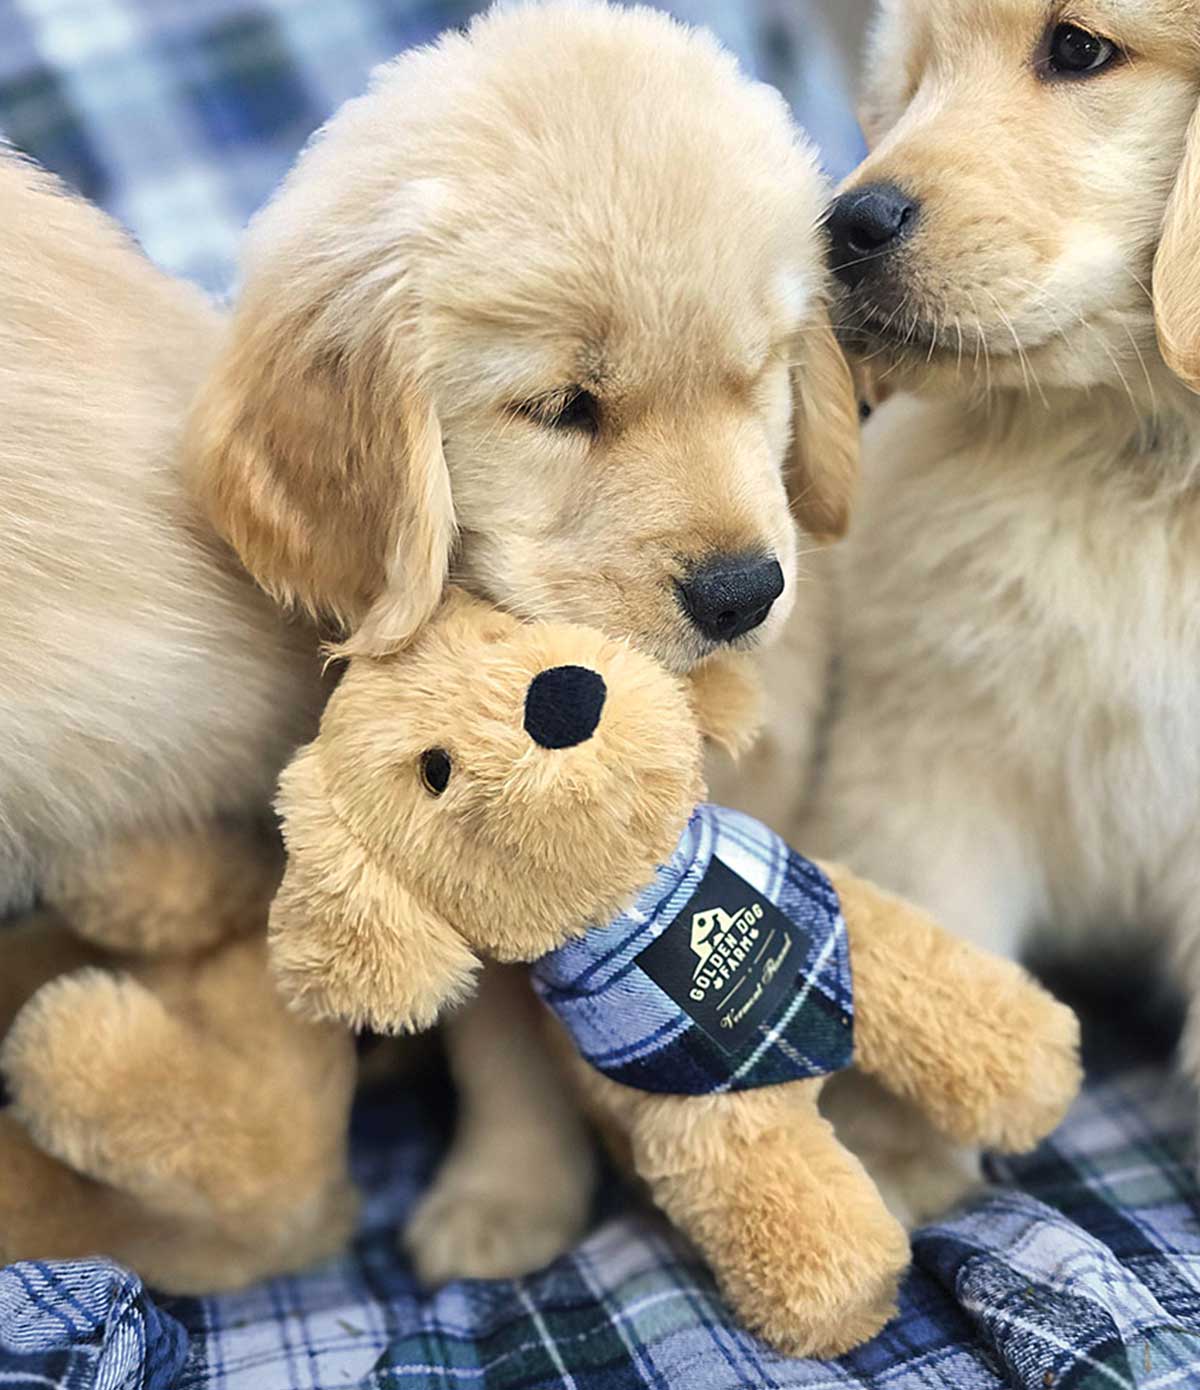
[730, 972]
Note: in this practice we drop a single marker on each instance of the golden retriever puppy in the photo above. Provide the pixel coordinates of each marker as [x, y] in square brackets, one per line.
[147, 687]
[544, 309]
[1017, 736]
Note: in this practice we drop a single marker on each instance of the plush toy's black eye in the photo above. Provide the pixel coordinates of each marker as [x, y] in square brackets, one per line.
[435, 771]
[571, 409]
[1074, 52]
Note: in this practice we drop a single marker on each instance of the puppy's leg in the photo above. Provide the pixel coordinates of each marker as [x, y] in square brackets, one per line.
[514, 1191]
[218, 1116]
[956, 852]
[920, 1173]
[168, 894]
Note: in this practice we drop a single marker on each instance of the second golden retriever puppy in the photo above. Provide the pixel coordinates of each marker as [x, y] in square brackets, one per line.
[546, 308]
[149, 693]
[1017, 743]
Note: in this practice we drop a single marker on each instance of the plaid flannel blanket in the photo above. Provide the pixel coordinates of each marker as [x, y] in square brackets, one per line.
[1079, 1270]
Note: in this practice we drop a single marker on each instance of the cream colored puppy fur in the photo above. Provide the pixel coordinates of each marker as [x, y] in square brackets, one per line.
[1017, 734]
[546, 309]
[147, 687]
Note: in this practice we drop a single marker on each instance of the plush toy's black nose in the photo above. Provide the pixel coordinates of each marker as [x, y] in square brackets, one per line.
[865, 226]
[563, 706]
[731, 595]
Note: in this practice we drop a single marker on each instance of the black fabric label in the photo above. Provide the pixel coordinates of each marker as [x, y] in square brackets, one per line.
[729, 960]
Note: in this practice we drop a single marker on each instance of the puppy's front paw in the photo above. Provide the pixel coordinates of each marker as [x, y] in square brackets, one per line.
[497, 1225]
[919, 1172]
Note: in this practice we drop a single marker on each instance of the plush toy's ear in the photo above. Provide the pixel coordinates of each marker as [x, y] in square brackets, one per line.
[1177, 269]
[318, 456]
[348, 941]
[821, 472]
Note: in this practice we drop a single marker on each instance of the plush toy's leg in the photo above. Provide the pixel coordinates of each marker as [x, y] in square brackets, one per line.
[50, 1212]
[168, 894]
[222, 1116]
[34, 950]
[796, 1234]
[515, 1189]
[986, 1052]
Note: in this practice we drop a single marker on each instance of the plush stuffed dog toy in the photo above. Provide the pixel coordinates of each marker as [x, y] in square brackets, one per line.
[529, 793]
[170, 1113]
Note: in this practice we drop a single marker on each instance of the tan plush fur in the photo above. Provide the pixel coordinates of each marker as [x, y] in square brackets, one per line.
[391, 889]
[171, 1114]
[1015, 742]
[147, 685]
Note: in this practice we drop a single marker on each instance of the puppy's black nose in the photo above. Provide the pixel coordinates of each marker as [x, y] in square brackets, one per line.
[731, 595]
[563, 706]
[865, 226]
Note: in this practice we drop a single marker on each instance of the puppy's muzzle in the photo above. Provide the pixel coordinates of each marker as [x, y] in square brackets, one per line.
[731, 595]
[866, 226]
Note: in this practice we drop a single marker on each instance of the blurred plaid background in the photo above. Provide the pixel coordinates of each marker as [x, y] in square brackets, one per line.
[180, 116]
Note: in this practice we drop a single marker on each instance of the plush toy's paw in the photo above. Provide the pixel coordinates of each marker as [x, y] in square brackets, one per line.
[476, 1223]
[1034, 1082]
[799, 1239]
[72, 1059]
[810, 1282]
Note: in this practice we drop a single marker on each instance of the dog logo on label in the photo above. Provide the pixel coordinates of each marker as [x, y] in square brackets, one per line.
[728, 958]
[708, 931]
[721, 941]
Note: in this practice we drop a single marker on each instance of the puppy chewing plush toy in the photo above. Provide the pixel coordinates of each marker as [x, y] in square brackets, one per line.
[528, 792]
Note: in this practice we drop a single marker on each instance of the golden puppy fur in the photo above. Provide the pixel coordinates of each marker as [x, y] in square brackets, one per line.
[546, 308]
[550, 296]
[1016, 743]
[147, 686]
[393, 886]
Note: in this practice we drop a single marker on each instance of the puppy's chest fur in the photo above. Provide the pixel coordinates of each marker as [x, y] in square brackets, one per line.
[1028, 596]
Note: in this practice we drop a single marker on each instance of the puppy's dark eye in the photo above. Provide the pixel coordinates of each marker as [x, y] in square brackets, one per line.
[1074, 52]
[573, 409]
[435, 771]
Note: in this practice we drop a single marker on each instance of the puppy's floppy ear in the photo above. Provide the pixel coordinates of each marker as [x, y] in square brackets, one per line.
[348, 941]
[319, 458]
[821, 472]
[1177, 269]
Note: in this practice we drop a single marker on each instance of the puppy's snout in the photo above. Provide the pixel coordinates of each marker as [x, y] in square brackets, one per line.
[865, 226]
[731, 595]
[563, 706]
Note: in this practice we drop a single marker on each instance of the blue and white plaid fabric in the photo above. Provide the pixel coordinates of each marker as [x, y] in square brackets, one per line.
[181, 116]
[787, 976]
[1078, 1270]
